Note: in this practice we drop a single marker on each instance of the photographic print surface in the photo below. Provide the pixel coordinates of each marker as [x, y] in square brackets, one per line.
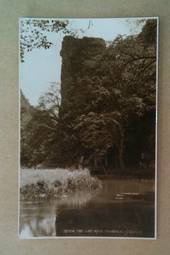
[88, 107]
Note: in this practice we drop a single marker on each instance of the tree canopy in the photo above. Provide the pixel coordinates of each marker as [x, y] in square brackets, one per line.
[34, 33]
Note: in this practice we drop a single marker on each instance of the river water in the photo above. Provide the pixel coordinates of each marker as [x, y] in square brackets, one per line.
[122, 208]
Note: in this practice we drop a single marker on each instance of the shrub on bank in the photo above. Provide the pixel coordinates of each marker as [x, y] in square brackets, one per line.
[52, 183]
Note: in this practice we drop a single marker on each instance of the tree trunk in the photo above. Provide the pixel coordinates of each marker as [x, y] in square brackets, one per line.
[121, 149]
[81, 162]
[119, 162]
[95, 162]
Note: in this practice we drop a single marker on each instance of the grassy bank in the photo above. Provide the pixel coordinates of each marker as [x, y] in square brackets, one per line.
[42, 184]
[129, 173]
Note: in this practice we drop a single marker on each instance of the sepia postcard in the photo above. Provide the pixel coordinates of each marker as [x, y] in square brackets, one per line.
[88, 127]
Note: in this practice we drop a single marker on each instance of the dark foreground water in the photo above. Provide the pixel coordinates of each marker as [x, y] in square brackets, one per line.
[123, 208]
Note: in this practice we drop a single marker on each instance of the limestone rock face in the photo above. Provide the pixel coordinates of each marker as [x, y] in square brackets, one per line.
[79, 58]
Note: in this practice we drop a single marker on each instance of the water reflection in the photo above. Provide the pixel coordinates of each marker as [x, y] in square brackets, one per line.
[39, 218]
[121, 208]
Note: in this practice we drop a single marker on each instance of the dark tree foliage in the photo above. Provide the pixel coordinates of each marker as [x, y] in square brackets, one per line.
[105, 119]
[34, 33]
